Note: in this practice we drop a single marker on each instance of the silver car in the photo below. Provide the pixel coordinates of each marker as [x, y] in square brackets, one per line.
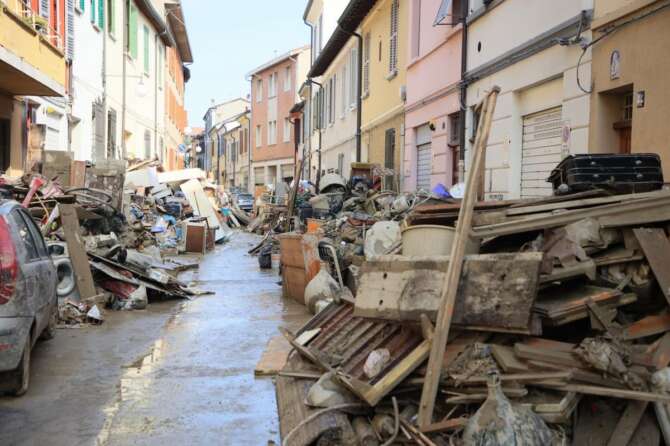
[28, 300]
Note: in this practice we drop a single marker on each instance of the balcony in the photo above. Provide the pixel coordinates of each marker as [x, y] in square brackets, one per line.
[32, 60]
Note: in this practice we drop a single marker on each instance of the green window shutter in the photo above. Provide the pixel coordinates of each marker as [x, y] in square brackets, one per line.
[101, 14]
[82, 5]
[146, 49]
[111, 19]
[92, 5]
[132, 31]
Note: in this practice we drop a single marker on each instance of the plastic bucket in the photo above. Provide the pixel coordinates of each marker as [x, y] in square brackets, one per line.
[432, 240]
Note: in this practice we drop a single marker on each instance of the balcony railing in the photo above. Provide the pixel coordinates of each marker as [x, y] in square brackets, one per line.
[23, 11]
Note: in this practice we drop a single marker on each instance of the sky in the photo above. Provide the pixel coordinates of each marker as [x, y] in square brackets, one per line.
[229, 38]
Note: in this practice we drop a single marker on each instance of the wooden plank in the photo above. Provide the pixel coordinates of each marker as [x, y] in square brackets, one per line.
[656, 248]
[646, 210]
[446, 425]
[606, 392]
[75, 246]
[647, 326]
[450, 287]
[274, 357]
[586, 202]
[625, 428]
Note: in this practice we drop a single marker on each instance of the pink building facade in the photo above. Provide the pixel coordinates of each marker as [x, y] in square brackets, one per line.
[432, 109]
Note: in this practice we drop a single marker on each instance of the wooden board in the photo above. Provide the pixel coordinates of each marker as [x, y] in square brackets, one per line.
[274, 356]
[656, 248]
[201, 205]
[496, 291]
[75, 246]
[291, 394]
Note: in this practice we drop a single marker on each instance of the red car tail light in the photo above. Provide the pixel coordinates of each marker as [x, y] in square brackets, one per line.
[9, 267]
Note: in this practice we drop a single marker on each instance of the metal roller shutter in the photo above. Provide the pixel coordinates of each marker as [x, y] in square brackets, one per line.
[424, 158]
[541, 151]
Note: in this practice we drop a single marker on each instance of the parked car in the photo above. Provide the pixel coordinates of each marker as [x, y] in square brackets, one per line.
[245, 202]
[28, 300]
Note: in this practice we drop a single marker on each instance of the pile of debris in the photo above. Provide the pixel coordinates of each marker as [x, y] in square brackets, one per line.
[535, 322]
[113, 232]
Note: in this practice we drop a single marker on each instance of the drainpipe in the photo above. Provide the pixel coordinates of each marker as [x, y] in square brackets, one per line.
[311, 110]
[156, 97]
[359, 91]
[124, 149]
[104, 84]
[320, 125]
[464, 91]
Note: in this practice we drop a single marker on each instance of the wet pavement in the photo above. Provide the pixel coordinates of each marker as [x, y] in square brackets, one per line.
[178, 373]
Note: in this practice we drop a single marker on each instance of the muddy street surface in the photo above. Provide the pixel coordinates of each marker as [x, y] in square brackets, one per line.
[177, 373]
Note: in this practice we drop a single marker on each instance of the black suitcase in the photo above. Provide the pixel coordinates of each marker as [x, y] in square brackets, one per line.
[621, 173]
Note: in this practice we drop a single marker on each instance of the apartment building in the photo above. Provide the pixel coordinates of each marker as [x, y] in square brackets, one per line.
[213, 151]
[630, 101]
[331, 109]
[274, 92]
[32, 64]
[531, 50]
[432, 111]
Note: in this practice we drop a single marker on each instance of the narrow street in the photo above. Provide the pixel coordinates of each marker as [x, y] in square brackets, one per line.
[177, 373]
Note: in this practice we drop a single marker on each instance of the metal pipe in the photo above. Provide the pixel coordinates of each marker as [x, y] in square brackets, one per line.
[464, 91]
[319, 127]
[124, 56]
[359, 91]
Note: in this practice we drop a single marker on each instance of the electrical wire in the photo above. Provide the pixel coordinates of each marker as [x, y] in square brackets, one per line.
[608, 31]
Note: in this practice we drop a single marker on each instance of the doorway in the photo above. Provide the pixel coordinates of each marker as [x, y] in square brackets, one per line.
[5, 152]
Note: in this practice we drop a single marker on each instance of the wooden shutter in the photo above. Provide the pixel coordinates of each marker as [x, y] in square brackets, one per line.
[389, 156]
[44, 8]
[146, 49]
[111, 134]
[366, 62]
[99, 131]
[393, 46]
[101, 14]
[69, 31]
[132, 31]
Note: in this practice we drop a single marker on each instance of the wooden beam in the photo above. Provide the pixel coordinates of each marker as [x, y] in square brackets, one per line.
[75, 247]
[644, 210]
[656, 248]
[450, 286]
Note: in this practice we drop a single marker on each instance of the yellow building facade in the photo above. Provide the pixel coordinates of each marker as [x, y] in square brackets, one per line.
[385, 39]
[32, 63]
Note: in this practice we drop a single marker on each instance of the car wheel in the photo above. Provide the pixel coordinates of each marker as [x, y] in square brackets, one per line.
[22, 374]
[50, 330]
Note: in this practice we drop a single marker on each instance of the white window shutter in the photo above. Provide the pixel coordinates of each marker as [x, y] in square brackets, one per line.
[393, 44]
[44, 8]
[70, 29]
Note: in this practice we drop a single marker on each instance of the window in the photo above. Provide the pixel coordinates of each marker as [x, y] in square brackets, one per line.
[393, 42]
[111, 133]
[287, 130]
[366, 64]
[332, 94]
[259, 133]
[101, 14]
[272, 86]
[161, 65]
[343, 91]
[259, 90]
[272, 132]
[147, 144]
[111, 18]
[287, 78]
[146, 49]
[132, 29]
[353, 77]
